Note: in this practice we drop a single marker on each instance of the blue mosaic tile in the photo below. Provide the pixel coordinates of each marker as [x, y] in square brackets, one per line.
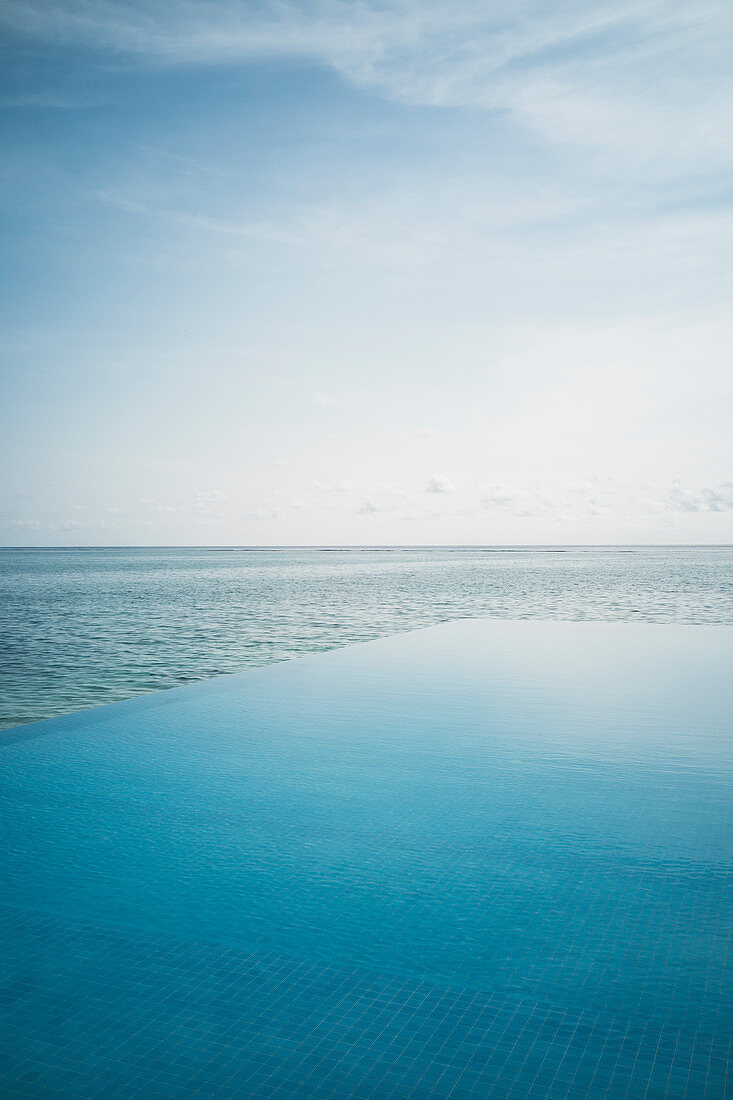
[102, 1012]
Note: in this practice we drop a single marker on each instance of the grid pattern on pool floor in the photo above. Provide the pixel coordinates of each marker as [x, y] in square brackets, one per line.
[92, 1011]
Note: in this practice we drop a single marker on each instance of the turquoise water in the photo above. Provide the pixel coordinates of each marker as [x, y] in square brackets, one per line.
[79, 628]
[485, 859]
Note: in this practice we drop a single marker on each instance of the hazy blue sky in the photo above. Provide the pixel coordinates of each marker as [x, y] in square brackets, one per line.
[432, 271]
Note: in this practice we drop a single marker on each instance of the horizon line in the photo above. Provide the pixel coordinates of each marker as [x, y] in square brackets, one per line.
[378, 546]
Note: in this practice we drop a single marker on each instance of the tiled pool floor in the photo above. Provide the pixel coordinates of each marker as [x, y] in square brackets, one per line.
[123, 1014]
[481, 860]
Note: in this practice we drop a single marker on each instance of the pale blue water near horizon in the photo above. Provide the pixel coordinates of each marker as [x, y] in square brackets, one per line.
[81, 627]
[486, 859]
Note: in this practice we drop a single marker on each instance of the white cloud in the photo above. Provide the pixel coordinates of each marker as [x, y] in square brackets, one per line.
[207, 504]
[438, 483]
[341, 485]
[609, 499]
[205, 520]
[392, 490]
[205, 498]
[717, 498]
[498, 496]
[264, 513]
[323, 400]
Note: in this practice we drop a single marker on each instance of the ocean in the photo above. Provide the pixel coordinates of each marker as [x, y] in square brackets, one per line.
[82, 627]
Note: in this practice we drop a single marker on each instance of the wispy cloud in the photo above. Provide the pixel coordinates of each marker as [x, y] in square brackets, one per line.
[520, 501]
[340, 485]
[266, 512]
[207, 504]
[716, 498]
[608, 499]
[611, 75]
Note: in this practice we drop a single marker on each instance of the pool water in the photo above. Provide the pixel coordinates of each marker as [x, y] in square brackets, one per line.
[487, 858]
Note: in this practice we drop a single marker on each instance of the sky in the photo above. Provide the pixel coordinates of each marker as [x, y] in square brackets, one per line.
[366, 272]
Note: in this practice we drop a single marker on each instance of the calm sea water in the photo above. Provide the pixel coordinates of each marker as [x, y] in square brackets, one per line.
[83, 627]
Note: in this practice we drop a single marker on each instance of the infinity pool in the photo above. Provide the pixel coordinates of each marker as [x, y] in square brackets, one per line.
[485, 859]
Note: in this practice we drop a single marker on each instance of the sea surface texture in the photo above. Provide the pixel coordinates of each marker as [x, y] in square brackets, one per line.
[79, 628]
[487, 859]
